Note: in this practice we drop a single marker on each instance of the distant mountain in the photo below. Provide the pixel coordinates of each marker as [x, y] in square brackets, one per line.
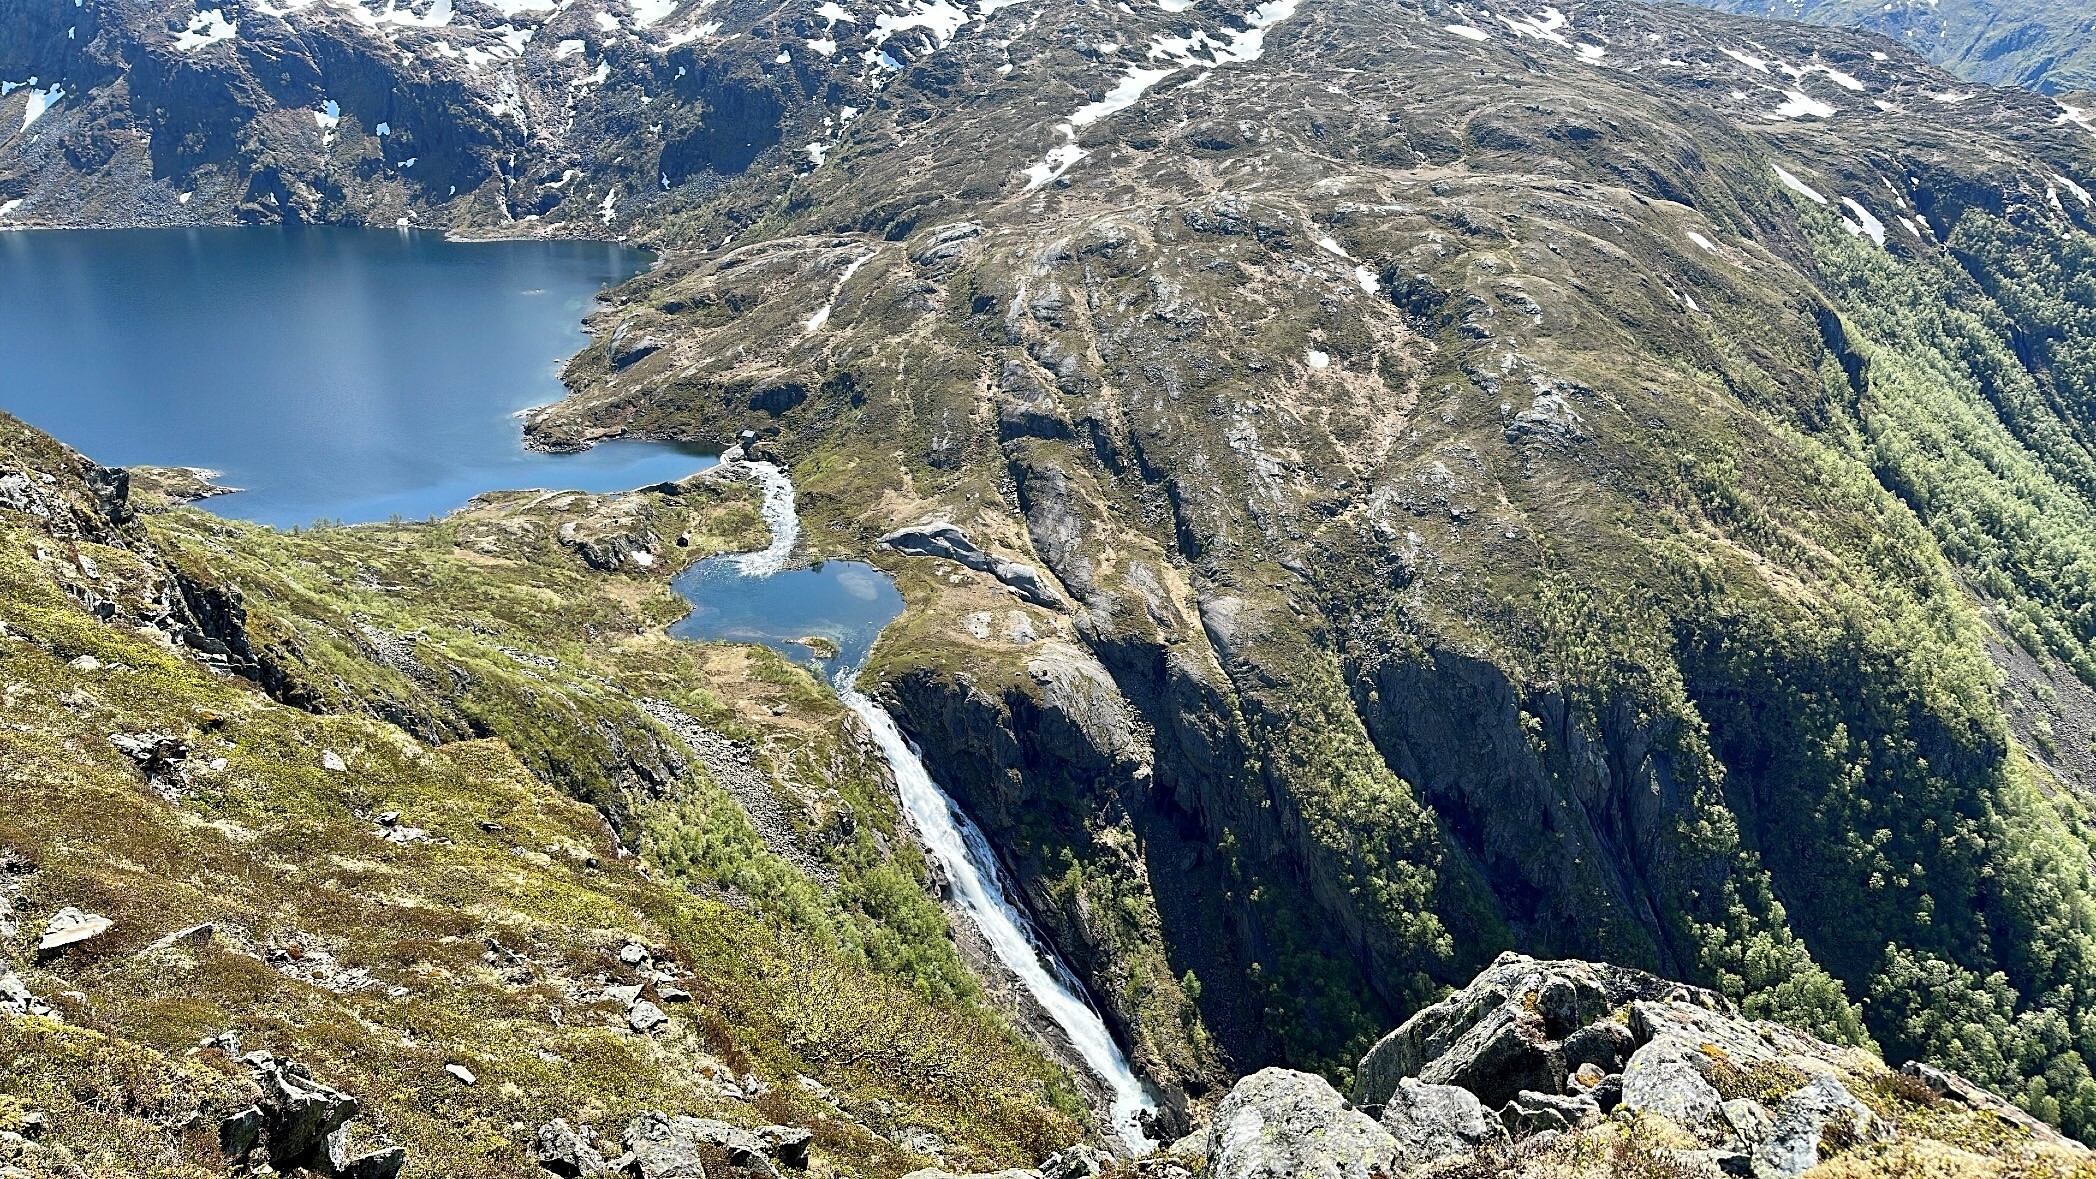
[2044, 45]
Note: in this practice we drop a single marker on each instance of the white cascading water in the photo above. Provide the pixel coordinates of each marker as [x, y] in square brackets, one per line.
[953, 839]
[777, 509]
[978, 891]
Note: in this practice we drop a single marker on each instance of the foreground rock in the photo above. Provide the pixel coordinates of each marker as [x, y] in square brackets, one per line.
[300, 1122]
[1278, 1124]
[1579, 1068]
[661, 1146]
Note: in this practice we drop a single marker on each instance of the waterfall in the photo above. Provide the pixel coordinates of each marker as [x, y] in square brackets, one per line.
[955, 842]
[979, 893]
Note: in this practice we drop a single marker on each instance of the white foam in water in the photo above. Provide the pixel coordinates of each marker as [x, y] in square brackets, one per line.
[778, 512]
[954, 840]
[978, 890]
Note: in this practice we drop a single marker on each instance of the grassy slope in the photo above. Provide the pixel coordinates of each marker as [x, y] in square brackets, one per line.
[521, 903]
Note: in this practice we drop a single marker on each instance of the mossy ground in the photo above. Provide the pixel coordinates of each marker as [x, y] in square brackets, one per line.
[488, 940]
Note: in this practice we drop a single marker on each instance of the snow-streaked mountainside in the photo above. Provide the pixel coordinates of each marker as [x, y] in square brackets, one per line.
[597, 115]
[1600, 480]
[2043, 45]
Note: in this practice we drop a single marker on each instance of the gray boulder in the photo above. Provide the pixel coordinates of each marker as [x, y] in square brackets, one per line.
[1434, 1122]
[69, 927]
[300, 1123]
[662, 1147]
[1665, 1077]
[1531, 1113]
[299, 1114]
[789, 1145]
[1279, 1124]
[15, 998]
[1823, 1111]
[940, 538]
[1507, 1030]
[385, 1163]
[566, 1151]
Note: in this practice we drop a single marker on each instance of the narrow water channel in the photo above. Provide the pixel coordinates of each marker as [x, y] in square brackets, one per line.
[753, 597]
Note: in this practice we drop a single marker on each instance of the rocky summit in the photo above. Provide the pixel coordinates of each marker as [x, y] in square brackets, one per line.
[1378, 488]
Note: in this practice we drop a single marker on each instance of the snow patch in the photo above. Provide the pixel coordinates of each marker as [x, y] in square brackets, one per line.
[611, 203]
[1317, 359]
[1466, 32]
[1798, 104]
[1702, 241]
[1054, 164]
[1198, 49]
[648, 12]
[206, 27]
[329, 114]
[567, 49]
[39, 102]
[832, 12]
[823, 45]
[1367, 278]
[1865, 225]
[1798, 186]
[1746, 59]
[939, 17]
[606, 22]
[822, 314]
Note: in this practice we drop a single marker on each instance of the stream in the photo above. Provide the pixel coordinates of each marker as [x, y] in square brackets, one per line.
[754, 597]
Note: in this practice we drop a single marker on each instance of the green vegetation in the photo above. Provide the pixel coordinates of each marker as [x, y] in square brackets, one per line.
[485, 930]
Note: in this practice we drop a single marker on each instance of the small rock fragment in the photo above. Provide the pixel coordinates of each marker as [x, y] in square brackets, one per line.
[69, 927]
[462, 1074]
[15, 998]
[330, 760]
[566, 1151]
[644, 1016]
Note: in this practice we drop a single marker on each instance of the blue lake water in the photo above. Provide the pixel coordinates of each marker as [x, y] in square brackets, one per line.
[844, 602]
[337, 374]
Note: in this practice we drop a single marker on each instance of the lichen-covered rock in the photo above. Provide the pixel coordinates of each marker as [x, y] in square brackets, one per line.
[1507, 1030]
[1665, 1078]
[565, 1150]
[1820, 1117]
[1433, 1122]
[1278, 1124]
